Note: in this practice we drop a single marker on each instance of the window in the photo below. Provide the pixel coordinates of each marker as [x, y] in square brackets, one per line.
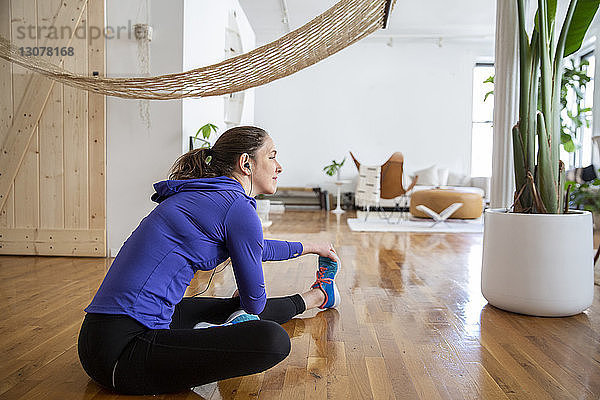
[586, 149]
[582, 135]
[482, 133]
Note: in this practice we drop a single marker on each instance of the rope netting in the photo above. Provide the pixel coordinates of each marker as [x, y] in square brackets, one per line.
[345, 23]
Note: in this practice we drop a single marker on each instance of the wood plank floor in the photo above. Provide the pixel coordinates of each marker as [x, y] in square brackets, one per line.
[412, 325]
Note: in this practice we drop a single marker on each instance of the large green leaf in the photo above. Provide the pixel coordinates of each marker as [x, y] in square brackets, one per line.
[582, 18]
[569, 146]
[487, 94]
[551, 6]
[546, 81]
[547, 180]
[524, 202]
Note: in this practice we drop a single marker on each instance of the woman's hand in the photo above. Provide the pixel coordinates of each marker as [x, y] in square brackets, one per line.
[322, 249]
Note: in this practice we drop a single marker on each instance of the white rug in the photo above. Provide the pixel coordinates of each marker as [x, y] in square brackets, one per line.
[374, 224]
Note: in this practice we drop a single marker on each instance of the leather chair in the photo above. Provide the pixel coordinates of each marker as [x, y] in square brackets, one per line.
[392, 171]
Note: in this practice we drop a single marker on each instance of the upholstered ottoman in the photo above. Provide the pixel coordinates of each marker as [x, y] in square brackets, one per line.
[440, 199]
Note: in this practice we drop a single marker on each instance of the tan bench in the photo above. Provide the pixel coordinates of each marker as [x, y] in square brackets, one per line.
[440, 199]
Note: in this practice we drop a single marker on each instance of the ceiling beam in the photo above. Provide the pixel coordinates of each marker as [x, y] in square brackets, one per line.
[285, 18]
[387, 14]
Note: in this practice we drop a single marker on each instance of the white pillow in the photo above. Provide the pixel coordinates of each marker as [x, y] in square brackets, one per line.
[443, 176]
[428, 176]
[456, 179]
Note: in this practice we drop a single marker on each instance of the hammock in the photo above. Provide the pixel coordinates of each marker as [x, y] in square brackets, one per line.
[345, 23]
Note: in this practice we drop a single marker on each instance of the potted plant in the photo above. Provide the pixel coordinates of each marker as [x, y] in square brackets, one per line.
[586, 196]
[206, 131]
[538, 259]
[334, 168]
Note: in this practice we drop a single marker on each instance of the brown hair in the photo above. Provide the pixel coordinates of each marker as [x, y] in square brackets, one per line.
[220, 160]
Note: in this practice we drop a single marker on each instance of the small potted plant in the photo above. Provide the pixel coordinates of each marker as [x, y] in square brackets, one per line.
[334, 168]
[206, 131]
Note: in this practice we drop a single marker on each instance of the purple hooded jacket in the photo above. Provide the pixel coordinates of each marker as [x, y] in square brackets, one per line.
[197, 224]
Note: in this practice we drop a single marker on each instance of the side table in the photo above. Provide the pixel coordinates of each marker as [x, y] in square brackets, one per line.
[338, 208]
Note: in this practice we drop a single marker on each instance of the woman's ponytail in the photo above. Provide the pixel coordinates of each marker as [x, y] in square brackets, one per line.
[191, 165]
[220, 160]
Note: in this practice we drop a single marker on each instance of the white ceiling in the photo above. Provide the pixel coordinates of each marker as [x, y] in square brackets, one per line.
[462, 19]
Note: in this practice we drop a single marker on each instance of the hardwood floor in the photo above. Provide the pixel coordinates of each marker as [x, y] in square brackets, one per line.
[412, 325]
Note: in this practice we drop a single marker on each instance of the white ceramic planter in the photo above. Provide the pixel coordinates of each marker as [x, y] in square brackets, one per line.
[538, 264]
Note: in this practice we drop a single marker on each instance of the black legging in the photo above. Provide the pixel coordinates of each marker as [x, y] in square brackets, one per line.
[155, 361]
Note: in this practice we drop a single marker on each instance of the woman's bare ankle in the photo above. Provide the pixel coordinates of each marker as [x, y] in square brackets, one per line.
[313, 298]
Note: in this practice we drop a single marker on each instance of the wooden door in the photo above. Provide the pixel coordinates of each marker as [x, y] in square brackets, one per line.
[52, 159]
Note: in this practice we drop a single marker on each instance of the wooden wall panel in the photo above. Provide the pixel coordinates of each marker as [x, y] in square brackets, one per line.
[47, 11]
[52, 139]
[6, 107]
[28, 113]
[75, 140]
[26, 188]
[96, 122]
[23, 14]
[57, 242]
[51, 162]
[7, 215]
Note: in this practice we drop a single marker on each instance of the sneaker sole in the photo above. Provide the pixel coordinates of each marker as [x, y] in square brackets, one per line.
[234, 316]
[336, 292]
[204, 325]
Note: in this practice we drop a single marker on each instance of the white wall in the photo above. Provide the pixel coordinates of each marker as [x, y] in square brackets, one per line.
[136, 156]
[187, 34]
[204, 44]
[374, 99]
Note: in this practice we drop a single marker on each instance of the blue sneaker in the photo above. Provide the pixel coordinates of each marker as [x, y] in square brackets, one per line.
[235, 318]
[325, 281]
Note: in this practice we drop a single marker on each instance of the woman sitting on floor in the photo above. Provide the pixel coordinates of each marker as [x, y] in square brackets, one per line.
[140, 336]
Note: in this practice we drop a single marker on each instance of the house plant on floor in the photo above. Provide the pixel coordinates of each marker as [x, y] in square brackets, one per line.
[538, 259]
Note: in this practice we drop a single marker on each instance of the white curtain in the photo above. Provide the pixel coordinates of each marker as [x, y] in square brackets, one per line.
[505, 103]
